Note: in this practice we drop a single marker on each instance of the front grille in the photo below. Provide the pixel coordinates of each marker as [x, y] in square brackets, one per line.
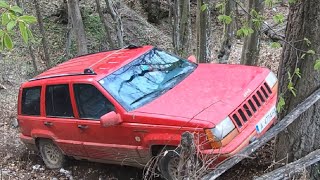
[251, 105]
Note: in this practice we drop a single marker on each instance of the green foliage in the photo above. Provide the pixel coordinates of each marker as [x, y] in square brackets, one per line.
[10, 17]
[291, 86]
[312, 52]
[256, 18]
[204, 7]
[307, 41]
[225, 19]
[269, 3]
[280, 104]
[292, 1]
[297, 72]
[244, 31]
[275, 45]
[220, 7]
[317, 65]
[278, 18]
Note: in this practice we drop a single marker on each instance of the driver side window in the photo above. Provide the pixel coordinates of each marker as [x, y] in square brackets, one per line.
[91, 103]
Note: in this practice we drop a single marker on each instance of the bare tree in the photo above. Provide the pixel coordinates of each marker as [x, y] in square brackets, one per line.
[251, 46]
[203, 31]
[228, 32]
[77, 26]
[181, 27]
[44, 40]
[105, 24]
[302, 136]
[113, 9]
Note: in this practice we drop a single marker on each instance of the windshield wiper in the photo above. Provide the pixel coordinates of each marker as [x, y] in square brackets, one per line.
[149, 94]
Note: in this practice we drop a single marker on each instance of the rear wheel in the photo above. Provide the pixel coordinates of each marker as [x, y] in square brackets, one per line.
[52, 156]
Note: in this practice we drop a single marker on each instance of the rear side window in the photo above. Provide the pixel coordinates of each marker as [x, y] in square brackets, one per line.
[31, 101]
[92, 104]
[58, 103]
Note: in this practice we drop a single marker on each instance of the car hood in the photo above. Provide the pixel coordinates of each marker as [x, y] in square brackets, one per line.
[210, 93]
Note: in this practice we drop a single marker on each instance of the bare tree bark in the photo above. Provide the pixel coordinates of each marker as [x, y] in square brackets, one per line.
[181, 27]
[113, 10]
[44, 40]
[303, 135]
[203, 31]
[228, 33]
[105, 24]
[68, 31]
[33, 58]
[251, 46]
[77, 26]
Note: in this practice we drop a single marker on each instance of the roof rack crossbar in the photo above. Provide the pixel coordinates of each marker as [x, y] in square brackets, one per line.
[60, 75]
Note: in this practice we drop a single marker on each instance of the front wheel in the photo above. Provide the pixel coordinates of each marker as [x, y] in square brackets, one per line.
[169, 164]
[52, 156]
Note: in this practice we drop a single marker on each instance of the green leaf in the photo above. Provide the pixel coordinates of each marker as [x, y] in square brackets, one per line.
[275, 45]
[269, 3]
[11, 25]
[28, 19]
[303, 55]
[220, 7]
[244, 31]
[16, 9]
[292, 1]
[279, 18]
[30, 35]
[204, 7]
[4, 4]
[225, 19]
[311, 52]
[317, 65]
[23, 31]
[7, 41]
[280, 104]
[5, 18]
[307, 41]
[297, 72]
[292, 89]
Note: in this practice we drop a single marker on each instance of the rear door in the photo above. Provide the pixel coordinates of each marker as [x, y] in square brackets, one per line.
[60, 119]
[113, 144]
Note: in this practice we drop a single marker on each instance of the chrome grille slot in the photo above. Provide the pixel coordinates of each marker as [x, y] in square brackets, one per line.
[243, 114]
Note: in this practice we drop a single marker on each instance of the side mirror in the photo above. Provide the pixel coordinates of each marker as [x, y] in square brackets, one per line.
[192, 58]
[110, 119]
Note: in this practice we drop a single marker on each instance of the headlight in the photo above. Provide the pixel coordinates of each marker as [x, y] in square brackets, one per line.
[222, 129]
[271, 79]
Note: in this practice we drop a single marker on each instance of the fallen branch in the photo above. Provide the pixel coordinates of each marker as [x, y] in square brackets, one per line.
[272, 34]
[2, 87]
[282, 125]
[285, 172]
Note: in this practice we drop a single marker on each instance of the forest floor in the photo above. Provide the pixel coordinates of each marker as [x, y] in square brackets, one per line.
[17, 162]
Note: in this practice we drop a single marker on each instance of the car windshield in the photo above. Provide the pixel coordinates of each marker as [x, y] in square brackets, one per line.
[146, 78]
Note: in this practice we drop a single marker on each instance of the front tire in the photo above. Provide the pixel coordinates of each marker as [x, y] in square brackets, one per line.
[51, 155]
[169, 164]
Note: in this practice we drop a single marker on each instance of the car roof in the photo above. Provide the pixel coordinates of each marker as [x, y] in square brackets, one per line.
[98, 64]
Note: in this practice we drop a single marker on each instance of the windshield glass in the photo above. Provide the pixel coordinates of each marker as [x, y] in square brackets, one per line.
[146, 78]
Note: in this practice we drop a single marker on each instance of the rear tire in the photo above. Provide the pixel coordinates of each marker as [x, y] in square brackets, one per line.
[51, 155]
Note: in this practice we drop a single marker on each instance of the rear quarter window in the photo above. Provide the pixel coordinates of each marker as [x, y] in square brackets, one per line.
[31, 101]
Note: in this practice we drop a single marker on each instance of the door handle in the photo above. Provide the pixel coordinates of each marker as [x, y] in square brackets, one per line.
[48, 124]
[82, 126]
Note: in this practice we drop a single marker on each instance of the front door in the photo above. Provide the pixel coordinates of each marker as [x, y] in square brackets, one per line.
[112, 144]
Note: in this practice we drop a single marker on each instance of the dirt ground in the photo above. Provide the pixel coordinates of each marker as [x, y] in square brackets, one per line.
[17, 162]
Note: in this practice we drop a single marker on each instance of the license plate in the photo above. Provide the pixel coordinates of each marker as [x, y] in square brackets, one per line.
[263, 123]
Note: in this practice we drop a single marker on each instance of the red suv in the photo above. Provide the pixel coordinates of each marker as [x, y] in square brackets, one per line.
[125, 106]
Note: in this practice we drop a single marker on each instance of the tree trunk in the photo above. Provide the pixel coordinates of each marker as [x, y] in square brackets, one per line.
[77, 26]
[303, 135]
[251, 46]
[203, 31]
[33, 58]
[44, 40]
[113, 10]
[228, 33]
[105, 25]
[181, 27]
